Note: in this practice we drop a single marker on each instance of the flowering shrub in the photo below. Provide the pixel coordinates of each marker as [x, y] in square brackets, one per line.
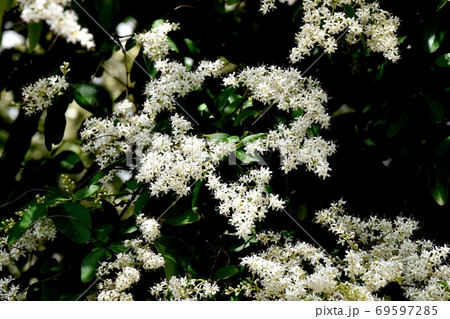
[175, 186]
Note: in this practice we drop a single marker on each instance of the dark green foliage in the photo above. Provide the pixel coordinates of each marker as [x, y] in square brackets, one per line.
[391, 125]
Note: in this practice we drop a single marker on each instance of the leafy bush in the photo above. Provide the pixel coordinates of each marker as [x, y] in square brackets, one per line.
[179, 153]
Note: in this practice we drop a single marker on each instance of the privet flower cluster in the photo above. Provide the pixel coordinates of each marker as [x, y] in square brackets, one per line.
[155, 42]
[39, 96]
[246, 201]
[172, 161]
[127, 265]
[324, 21]
[183, 288]
[8, 291]
[377, 252]
[290, 91]
[61, 20]
[139, 255]
[42, 231]
[31, 241]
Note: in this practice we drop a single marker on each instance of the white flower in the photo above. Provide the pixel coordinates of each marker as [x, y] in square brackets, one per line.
[126, 278]
[39, 95]
[183, 288]
[8, 291]
[377, 252]
[155, 42]
[148, 227]
[60, 20]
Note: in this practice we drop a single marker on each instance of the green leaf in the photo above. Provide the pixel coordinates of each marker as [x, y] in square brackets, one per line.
[32, 214]
[172, 45]
[34, 34]
[253, 137]
[102, 232]
[182, 216]
[85, 192]
[230, 109]
[441, 4]
[222, 99]
[438, 181]
[226, 272]
[397, 119]
[55, 121]
[314, 130]
[350, 11]
[443, 61]
[177, 250]
[433, 40]
[92, 98]
[118, 247]
[436, 107]
[90, 264]
[193, 49]
[70, 162]
[195, 191]
[74, 221]
[218, 137]
[140, 203]
[128, 227]
[170, 268]
[244, 114]
[106, 12]
[233, 139]
[442, 147]
[297, 11]
[158, 22]
[247, 158]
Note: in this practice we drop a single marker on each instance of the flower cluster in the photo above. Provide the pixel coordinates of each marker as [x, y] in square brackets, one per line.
[60, 20]
[176, 81]
[41, 231]
[245, 201]
[377, 252]
[8, 291]
[39, 95]
[183, 288]
[31, 241]
[155, 42]
[325, 21]
[110, 138]
[127, 265]
[290, 92]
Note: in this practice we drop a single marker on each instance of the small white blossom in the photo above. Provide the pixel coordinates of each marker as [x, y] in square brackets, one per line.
[62, 21]
[155, 42]
[183, 288]
[8, 291]
[39, 95]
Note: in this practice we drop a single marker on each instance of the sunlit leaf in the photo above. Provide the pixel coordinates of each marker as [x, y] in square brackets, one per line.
[182, 216]
[85, 192]
[443, 61]
[433, 41]
[32, 214]
[34, 34]
[441, 4]
[90, 264]
[226, 272]
[438, 181]
[92, 98]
